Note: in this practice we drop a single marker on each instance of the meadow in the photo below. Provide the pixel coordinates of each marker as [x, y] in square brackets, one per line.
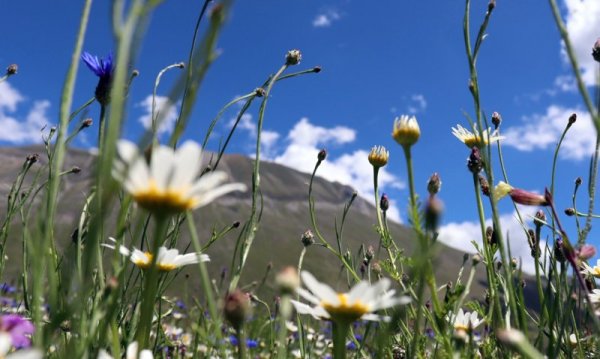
[114, 291]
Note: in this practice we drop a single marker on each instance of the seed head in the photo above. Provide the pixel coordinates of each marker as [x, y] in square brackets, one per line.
[87, 123]
[572, 119]
[570, 211]
[259, 92]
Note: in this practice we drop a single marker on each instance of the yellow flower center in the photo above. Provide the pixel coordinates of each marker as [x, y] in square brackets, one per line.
[474, 141]
[171, 200]
[461, 327]
[596, 272]
[144, 263]
[406, 135]
[344, 311]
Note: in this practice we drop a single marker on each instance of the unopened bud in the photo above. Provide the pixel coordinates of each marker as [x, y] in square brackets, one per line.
[259, 92]
[293, 57]
[87, 123]
[378, 157]
[485, 186]
[33, 158]
[384, 203]
[585, 252]
[558, 251]
[596, 50]
[12, 69]
[540, 218]
[572, 119]
[288, 280]
[322, 155]
[307, 238]
[434, 184]
[317, 69]
[75, 169]
[570, 211]
[514, 262]
[237, 308]
[475, 163]
[496, 119]
[491, 5]
[235, 224]
[369, 254]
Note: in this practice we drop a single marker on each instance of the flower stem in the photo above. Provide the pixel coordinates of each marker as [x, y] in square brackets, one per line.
[340, 332]
[150, 286]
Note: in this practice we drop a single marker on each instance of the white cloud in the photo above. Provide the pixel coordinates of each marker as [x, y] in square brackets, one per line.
[459, 235]
[352, 169]
[584, 28]
[20, 130]
[543, 132]
[163, 109]
[325, 19]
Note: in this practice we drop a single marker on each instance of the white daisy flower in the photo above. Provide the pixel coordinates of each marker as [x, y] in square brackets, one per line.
[169, 183]
[131, 353]
[167, 259]
[360, 303]
[595, 296]
[476, 139]
[464, 321]
[591, 271]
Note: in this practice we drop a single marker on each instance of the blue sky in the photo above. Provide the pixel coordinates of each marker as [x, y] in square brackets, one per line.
[380, 60]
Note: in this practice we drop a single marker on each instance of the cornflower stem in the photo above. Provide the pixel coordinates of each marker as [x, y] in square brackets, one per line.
[241, 344]
[555, 158]
[591, 192]
[384, 237]
[538, 277]
[150, 288]
[340, 332]
[155, 123]
[285, 312]
[253, 220]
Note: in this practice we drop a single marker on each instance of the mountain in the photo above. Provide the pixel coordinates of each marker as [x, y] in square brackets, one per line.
[277, 243]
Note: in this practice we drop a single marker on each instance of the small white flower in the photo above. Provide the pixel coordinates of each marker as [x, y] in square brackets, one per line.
[362, 300]
[591, 271]
[464, 321]
[170, 183]
[167, 259]
[475, 139]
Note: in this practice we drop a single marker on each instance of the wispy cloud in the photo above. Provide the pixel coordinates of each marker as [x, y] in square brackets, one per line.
[16, 129]
[163, 108]
[417, 104]
[460, 235]
[268, 138]
[326, 18]
[542, 131]
[583, 26]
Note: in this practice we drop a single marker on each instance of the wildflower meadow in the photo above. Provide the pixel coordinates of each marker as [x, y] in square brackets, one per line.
[117, 287]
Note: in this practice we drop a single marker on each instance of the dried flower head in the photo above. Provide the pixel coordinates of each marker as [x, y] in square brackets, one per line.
[12, 69]
[308, 238]
[384, 202]
[237, 308]
[406, 130]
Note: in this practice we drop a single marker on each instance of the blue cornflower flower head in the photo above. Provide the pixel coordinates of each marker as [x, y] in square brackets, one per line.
[351, 346]
[251, 343]
[7, 288]
[103, 68]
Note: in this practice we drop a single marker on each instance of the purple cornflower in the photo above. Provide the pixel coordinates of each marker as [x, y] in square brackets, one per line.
[103, 68]
[19, 329]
